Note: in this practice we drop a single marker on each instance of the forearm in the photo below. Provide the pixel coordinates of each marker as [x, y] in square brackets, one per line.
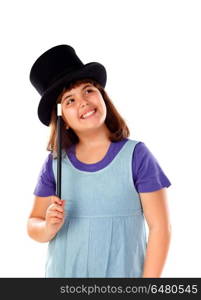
[156, 253]
[37, 230]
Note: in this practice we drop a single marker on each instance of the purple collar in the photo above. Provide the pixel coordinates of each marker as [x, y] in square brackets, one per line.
[114, 148]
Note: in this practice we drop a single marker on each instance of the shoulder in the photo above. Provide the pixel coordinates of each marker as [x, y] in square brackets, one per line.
[141, 150]
[46, 182]
[46, 168]
[147, 172]
[143, 158]
[48, 162]
[137, 144]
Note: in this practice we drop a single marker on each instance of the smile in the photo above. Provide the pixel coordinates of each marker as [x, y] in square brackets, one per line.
[89, 114]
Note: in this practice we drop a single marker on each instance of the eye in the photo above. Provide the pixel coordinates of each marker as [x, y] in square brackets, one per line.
[67, 102]
[89, 90]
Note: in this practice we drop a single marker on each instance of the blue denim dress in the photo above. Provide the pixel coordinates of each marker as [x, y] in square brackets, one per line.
[104, 230]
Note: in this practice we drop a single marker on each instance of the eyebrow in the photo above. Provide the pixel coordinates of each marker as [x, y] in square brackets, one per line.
[88, 85]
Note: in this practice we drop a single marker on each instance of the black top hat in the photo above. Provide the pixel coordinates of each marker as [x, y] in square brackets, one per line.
[56, 68]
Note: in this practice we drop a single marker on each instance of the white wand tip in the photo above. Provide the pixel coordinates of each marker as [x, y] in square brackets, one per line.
[59, 109]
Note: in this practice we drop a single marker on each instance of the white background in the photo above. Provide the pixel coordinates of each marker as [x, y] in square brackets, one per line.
[151, 51]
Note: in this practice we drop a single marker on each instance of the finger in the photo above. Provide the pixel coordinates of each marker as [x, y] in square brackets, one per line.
[60, 202]
[55, 221]
[56, 200]
[57, 208]
[63, 202]
[56, 214]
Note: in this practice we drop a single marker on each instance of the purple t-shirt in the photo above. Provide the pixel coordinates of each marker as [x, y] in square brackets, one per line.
[147, 173]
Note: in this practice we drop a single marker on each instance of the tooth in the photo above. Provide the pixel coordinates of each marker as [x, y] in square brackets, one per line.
[88, 114]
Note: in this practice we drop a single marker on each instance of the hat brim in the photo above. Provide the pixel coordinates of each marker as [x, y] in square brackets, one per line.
[91, 70]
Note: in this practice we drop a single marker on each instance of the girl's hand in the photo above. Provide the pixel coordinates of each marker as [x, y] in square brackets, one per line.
[55, 215]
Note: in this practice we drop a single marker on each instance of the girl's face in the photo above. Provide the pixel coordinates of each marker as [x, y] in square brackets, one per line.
[79, 101]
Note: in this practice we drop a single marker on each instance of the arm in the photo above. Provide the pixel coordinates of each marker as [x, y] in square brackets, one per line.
[157, 217]
[46, 218]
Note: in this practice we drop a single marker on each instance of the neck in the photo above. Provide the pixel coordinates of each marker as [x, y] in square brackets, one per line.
[94, 137]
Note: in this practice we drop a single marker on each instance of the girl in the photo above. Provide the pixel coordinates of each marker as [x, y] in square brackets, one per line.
[110, 184]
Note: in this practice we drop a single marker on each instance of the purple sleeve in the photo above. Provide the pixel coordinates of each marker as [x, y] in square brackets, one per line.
[46, 185]
[147, 173]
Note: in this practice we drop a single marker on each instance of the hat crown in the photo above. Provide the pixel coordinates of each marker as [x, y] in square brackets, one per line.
[52, 65]
[57, 68]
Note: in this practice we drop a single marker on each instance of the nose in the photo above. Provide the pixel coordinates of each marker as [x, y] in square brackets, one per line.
[83, 102]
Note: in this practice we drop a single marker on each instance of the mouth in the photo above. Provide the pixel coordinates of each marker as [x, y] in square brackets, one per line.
[89, 114]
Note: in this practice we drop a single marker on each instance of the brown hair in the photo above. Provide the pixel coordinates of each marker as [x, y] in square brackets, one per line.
[114, 122]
